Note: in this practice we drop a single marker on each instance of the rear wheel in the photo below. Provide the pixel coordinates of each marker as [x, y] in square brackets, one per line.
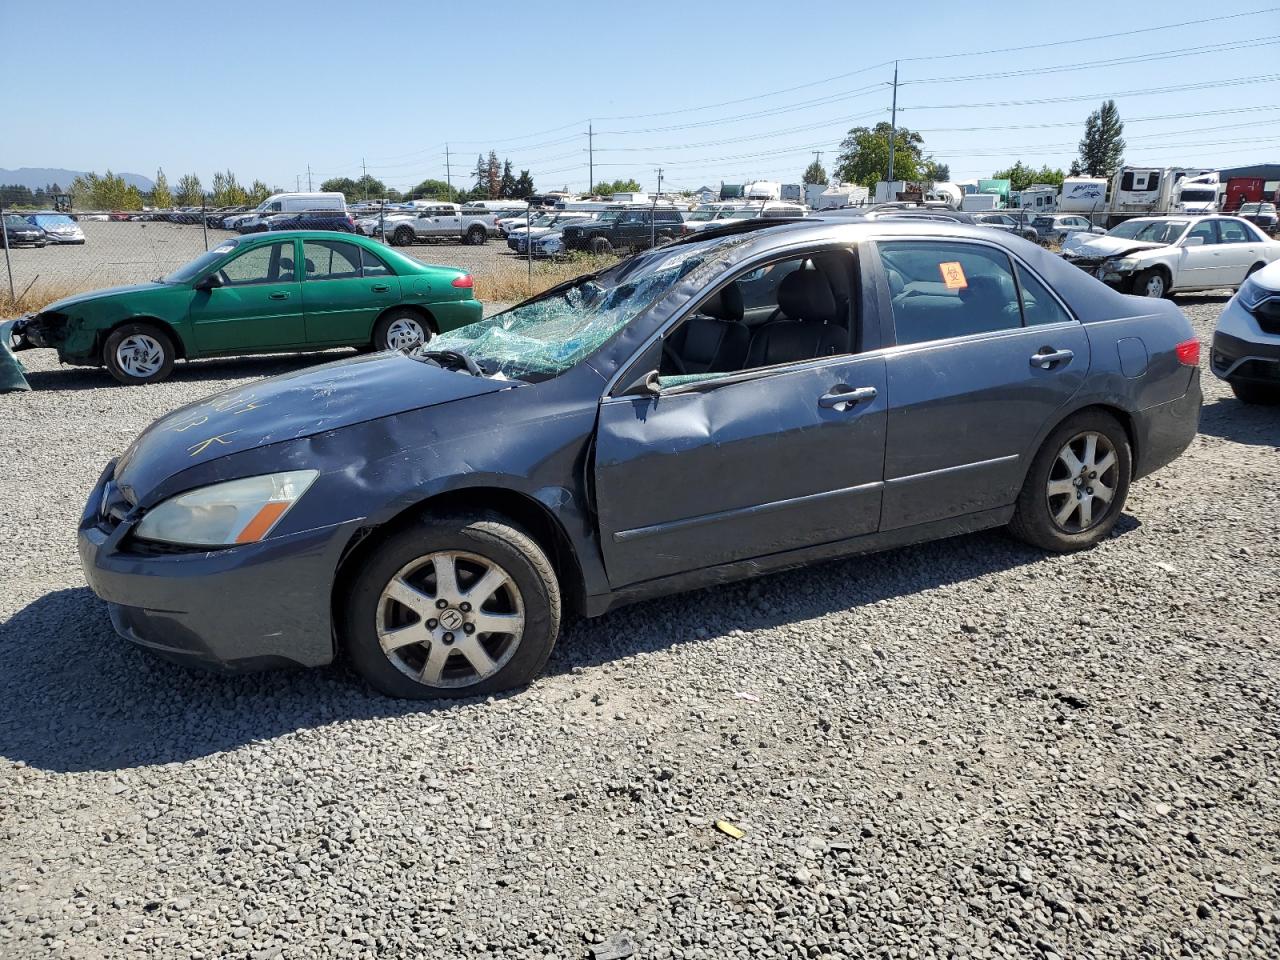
[476, 235]
[400, 330]
[1150, 283]
[1263, 394]
[403, 236]
[1077, 485]
[138, 353]
[452, 606]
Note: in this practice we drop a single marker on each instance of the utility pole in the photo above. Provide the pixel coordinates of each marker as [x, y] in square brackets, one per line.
[893, 122]
[653, 213]
[448, 173]
[308, 178]
[591, 165]
[365, 179]
[297, 183]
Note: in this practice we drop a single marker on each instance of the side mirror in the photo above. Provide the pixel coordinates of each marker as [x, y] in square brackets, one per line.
[210, 282]
[1193, 242]
[645, 385]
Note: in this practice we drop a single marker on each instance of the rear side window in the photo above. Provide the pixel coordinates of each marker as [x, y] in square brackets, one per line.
[941, 289]
[1039, 306]
[331, 260]
[1233, 231]
[373, 266]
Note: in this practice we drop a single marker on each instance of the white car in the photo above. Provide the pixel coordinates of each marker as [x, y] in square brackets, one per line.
[1246, 341]
[1159, 256]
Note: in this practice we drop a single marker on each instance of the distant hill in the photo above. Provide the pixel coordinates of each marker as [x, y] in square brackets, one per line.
[35, 177]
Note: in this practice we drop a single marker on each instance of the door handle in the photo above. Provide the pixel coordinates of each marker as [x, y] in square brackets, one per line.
[1047, 357]
[843, 397]
[280, 295]
[380, 288]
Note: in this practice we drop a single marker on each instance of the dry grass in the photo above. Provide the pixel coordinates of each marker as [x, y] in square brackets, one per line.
[509, 281]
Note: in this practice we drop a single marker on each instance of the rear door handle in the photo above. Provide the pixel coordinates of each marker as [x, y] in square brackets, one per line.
[380, 288]
[843, 397]
[280, 295]
[1048, 358]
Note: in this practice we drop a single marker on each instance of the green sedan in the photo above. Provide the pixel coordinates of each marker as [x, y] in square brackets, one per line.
[263, 293]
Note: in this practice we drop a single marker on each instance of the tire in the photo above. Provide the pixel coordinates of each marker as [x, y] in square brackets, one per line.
[466, 663]
[402, 237]
[138, 353]
[1150, 283]
[1040, 516]
[1262, 394]
[476, 236]
[395, 328]
[1252, 270]
[663, 238]
[601, 245]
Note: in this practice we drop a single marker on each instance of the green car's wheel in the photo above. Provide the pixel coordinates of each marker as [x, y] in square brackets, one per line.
[400, 330]
[138, 353]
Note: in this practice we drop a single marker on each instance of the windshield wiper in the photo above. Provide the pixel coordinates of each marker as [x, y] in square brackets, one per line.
[450, 360]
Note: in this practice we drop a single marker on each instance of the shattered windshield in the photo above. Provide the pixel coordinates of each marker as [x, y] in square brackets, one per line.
[544, 337]
[1151, 231]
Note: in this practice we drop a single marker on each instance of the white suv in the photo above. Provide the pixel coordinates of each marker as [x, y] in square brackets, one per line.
[1157, 256]
[1246, 342]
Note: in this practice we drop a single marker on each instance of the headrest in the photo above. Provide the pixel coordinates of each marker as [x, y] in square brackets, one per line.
[806, 295]
[286, 264]
[311, 265]
[725, 304]
[985, 290]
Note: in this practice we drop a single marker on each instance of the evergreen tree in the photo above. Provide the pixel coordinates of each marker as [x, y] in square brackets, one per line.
[507, 182]
[493, 176]
[161, 198]
[481, 173]
[258, 192]
[814, 173]
[1102, 149]
[190, 192]
[523, 189]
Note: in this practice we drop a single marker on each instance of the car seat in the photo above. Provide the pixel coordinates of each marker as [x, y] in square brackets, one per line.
[713, 340]
[810, 326]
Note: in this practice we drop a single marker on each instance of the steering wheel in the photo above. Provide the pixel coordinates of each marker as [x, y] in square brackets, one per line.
[669, 354]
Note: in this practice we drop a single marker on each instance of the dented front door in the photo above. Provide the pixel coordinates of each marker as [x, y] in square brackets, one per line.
[743, 467]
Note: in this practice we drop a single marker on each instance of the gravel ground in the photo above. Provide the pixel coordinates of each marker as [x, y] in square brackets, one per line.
[965, 749]
[120, 253]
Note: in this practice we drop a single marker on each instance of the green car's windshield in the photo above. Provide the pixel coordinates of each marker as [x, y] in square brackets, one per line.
[192, 270]
[545, 336]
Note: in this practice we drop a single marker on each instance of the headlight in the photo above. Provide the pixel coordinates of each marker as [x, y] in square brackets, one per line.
[1252, 293]
[1121, 265]
[238, 511]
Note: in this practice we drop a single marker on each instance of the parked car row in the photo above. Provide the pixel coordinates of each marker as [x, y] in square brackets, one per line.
[41, 229]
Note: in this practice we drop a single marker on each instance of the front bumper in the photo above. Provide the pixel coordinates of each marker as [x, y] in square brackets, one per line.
[249, 607]
[1242, 361]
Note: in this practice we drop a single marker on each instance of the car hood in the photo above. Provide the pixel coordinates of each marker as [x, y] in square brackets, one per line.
[69, 303]
[306, 403]
[1091, 245]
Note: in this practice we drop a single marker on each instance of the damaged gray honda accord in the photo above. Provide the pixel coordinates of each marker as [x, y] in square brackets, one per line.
[738, 402]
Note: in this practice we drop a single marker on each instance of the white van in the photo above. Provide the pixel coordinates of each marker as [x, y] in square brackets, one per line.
[302, 202]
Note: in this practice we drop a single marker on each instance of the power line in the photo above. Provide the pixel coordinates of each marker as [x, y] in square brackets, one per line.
[1148, 91]
[1076, 123]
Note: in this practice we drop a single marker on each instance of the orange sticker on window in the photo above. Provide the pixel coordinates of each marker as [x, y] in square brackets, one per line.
[953, 275]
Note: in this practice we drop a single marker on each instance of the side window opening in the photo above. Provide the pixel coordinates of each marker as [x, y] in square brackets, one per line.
[783, 312]
[1039, 306]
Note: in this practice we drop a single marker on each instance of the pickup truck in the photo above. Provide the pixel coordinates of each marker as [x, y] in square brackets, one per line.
[444, 221]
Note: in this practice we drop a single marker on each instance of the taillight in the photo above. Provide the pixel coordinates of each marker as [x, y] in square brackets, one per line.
[465, 283]
[1189, 352]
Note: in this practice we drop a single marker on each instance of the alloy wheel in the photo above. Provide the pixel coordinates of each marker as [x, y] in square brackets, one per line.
[450, 619]
[140, 355]
[1155, 286]
[404, 333]
[1082, 482]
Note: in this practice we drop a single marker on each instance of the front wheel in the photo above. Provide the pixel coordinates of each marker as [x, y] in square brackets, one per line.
[1150, 283]
[1263, 394]
[601, 245]
[1076, 487]
[138, 353]
[452, 606]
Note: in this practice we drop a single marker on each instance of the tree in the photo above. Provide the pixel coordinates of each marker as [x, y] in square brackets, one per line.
[481, 173]
[432, 190]
[814, 173]
[15, 194]
[1021, 176]
[523, 189]
[106, 192]
[864, 155]
[493, 176]
[258, 192]
[1102, 149]
[190, 192]
[507, 182]
[161, 198]
[605, 188]
[935, 172]
[365, 188]
[1076, 170]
